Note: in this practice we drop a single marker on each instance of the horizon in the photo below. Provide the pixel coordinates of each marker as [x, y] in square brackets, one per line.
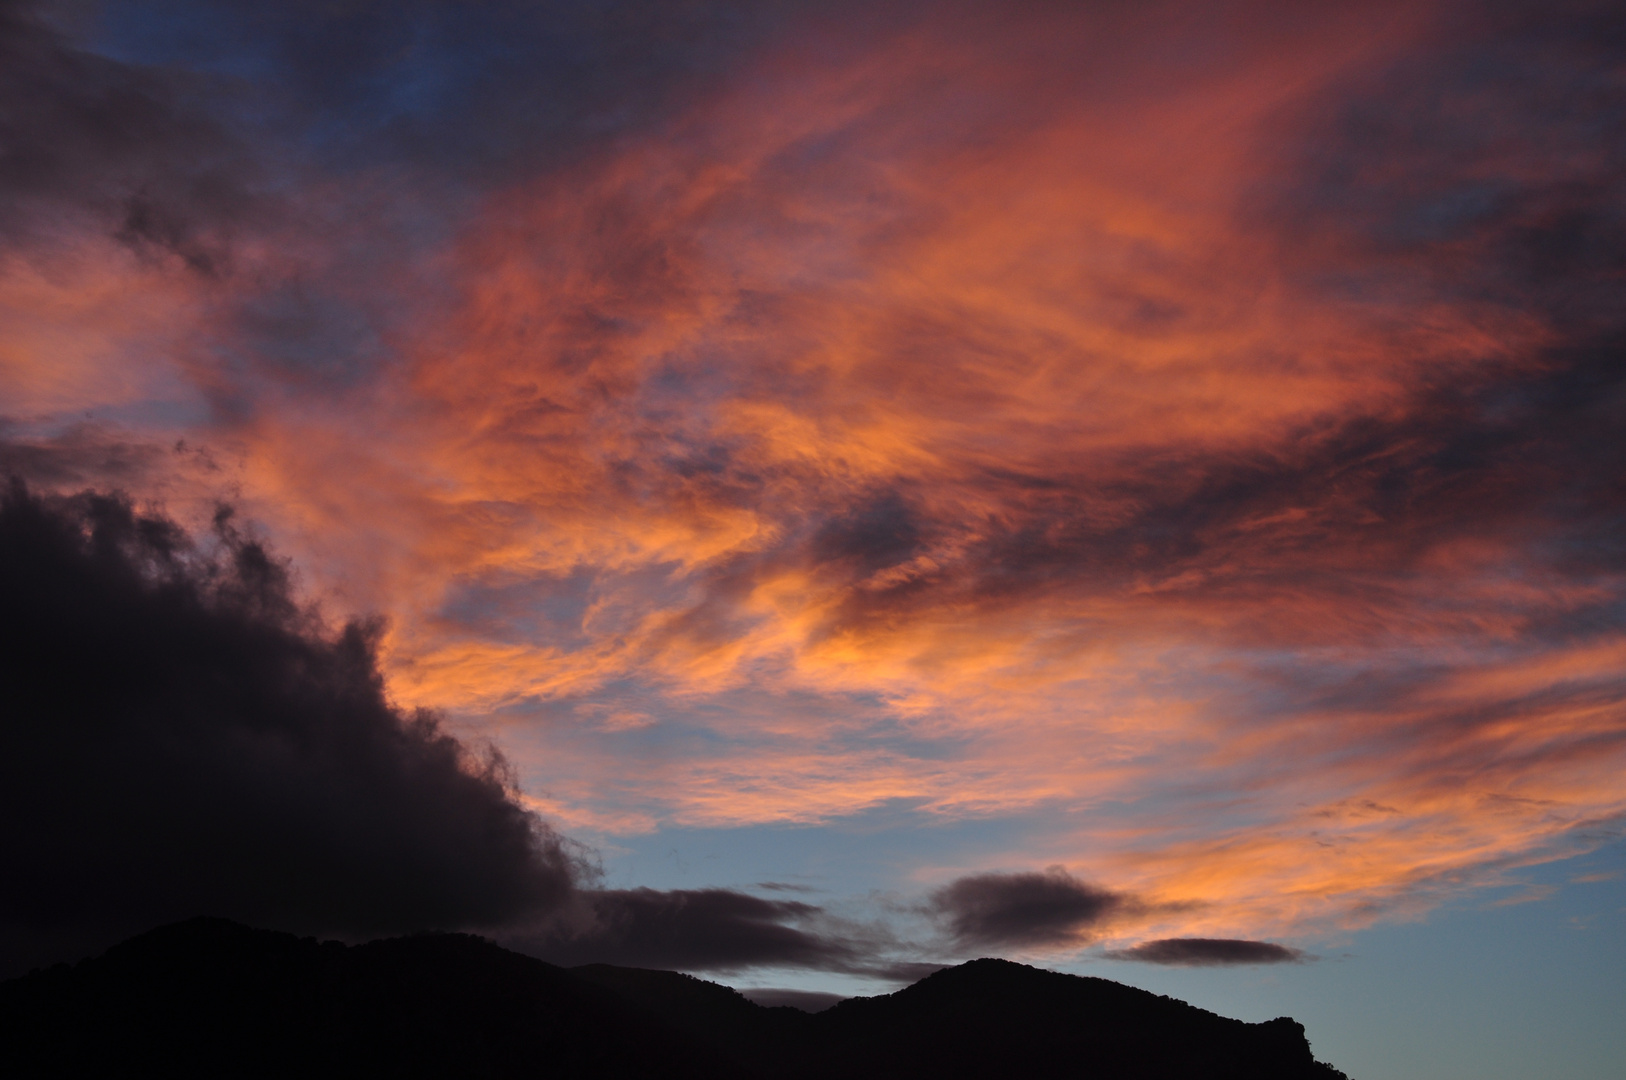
[803, 493]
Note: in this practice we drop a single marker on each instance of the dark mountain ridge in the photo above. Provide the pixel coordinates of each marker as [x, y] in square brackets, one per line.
[212, 997]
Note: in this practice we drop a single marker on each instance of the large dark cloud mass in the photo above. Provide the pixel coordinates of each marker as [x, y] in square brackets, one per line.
[1209, 952]
[995, 911]
[180, 737]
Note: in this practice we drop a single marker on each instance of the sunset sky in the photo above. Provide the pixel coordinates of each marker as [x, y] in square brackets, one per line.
[1136, 488]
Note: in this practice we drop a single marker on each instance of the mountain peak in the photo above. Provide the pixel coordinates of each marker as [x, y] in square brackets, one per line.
[208, 996]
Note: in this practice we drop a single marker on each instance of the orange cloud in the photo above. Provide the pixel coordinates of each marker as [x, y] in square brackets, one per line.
[959, 382]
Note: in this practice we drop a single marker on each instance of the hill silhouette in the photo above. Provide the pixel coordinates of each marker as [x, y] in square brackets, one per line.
[211, 997]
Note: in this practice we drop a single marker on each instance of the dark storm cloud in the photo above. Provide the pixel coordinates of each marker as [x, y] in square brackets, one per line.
[693, 930]
[1209, 952]
[1022, 910]
[133, 149]
[180, 737]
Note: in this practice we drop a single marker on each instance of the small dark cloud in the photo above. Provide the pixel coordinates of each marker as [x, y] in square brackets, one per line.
[1209, 952]
[811, 1001]
[1023, 910]
[181, 737]
[690, 930]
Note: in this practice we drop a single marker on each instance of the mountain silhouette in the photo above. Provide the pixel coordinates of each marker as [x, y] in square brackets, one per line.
[211, 997]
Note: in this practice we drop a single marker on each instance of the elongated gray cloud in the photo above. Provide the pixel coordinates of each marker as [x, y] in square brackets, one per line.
[691, 929]
[1209, 952]
[714, 930]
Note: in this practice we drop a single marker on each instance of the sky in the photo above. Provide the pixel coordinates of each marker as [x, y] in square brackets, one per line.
[808, 493]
